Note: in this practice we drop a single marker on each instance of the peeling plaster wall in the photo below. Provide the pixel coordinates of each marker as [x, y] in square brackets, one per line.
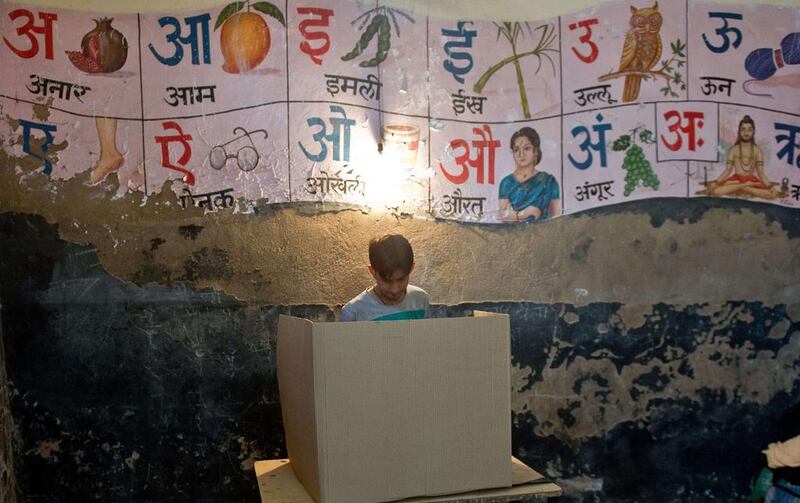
[8, 490]
[663, 250]
[653, 344]
[659, 250]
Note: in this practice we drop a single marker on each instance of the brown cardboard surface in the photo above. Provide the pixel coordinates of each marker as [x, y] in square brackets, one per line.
[400, 408]
[277, 484]
[296, 388]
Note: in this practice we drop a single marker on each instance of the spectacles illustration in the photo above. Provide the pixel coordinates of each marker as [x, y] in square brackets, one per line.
[247, 157]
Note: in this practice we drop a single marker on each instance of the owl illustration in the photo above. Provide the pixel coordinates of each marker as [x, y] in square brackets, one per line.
[642, 48]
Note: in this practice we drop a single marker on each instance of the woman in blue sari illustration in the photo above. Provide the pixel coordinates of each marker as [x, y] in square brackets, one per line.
[528, 194]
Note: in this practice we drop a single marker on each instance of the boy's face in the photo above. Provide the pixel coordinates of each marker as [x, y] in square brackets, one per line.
[391, 291]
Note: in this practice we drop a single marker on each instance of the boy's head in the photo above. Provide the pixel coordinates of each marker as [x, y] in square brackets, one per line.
[391, 261]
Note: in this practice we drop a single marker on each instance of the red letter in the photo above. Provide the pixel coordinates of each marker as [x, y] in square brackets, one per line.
[324, 16]
[28, 29]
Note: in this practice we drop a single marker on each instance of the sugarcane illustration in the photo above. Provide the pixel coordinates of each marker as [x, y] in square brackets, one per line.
[512, 32]
[376, 21]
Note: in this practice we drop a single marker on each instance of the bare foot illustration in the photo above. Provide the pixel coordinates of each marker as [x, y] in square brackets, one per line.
[110, 158]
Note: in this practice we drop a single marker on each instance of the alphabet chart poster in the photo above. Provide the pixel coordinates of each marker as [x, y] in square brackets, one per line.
[360, 103]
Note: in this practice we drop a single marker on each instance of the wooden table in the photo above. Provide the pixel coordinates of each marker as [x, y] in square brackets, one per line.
[278, 484]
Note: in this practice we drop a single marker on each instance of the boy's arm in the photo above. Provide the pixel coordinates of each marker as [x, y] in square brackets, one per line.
[347, 314]
[427, 306]
[783, 453]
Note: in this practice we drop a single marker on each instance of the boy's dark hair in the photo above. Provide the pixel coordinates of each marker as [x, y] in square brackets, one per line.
[389, 253]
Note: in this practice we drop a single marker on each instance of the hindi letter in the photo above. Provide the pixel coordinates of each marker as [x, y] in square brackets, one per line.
[459, 201]
[78, 91]
[725, 85]
[606, 186]
[341, 149]
[186, 95]
[205, 200]
[464, 160]
[349, 84]
[370, 88]
[581, 100]
[313, 185]
[594, 190]
[791, 140]
[447, 206]
[606, 95]
[582, 192]
[451, 49]
[321, 21]
[186, 197]
[184, 140]
[475, 104]
[325, 182]
[62, 88]
[358, 185]
[458, 102]
[47, 129]
[173, 93]
[205, 92]
[477, 206]
[709, 87]
[40, 84]
[332, 84]
[338, 185]
[224, 199]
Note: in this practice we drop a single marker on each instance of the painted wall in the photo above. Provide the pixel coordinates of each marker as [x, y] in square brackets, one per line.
[653, 343]
[155, 382]
[601, 143]
[8, 490]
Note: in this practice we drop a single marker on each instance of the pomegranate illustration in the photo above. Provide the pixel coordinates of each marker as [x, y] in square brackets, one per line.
[103, 50]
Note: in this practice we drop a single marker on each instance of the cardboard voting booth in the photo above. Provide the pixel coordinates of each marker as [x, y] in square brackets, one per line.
[381, 411]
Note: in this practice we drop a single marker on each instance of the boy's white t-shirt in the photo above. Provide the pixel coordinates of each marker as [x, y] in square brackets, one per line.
[368, 307]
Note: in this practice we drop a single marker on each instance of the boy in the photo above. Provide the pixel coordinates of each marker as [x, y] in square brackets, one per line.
[391, 261]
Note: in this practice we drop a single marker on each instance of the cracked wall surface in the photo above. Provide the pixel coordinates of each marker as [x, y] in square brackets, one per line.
[653, 343]
[8, 490]
[130, 389]
[658, 250]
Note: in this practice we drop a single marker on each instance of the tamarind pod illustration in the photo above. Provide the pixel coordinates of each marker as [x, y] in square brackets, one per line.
[366, 37]
[384, 44]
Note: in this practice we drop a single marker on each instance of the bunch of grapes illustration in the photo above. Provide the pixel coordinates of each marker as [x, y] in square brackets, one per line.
[636, 165]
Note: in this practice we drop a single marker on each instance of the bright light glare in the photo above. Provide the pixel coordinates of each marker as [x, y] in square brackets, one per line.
[387, 181]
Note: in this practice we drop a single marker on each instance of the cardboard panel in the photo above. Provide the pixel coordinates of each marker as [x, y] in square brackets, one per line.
[501, 365]
[465, 403]
[296, 388]
[404, 408]
[365, 398]
[277, 483]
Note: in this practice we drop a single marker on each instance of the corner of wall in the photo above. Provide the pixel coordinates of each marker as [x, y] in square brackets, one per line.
[8, 492]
